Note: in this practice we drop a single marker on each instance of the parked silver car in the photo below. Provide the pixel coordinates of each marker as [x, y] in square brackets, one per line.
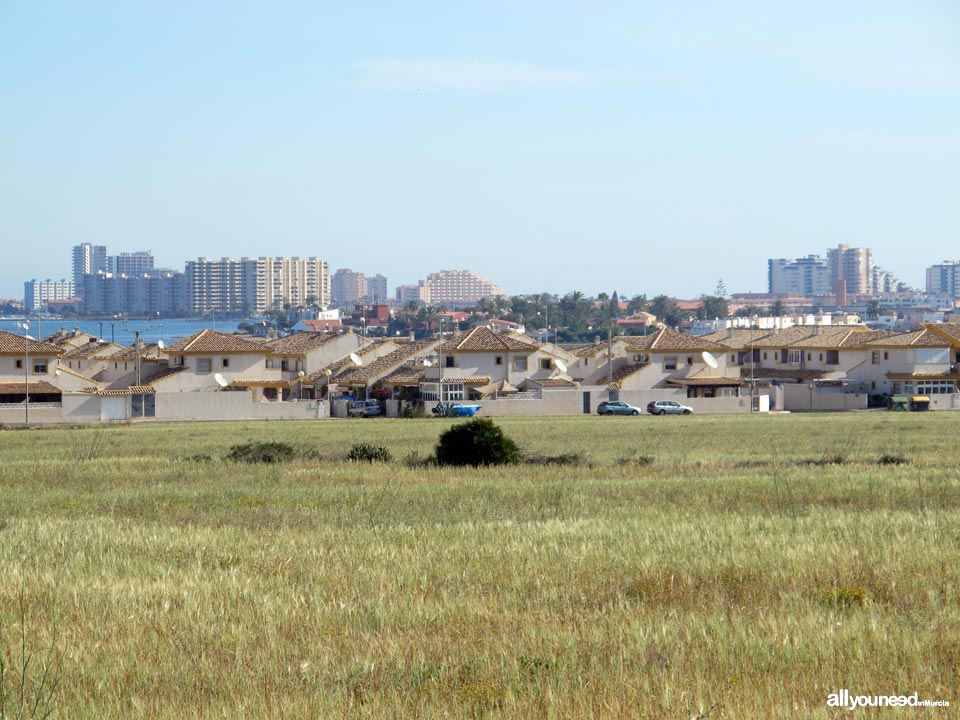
[668, 407]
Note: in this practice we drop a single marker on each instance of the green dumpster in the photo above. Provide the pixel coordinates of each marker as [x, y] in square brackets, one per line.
[899, 403]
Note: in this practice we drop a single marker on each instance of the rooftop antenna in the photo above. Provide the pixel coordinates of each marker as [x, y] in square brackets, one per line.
[221, 380]
[561, 365]
[161, 344]
[355, 359]
[427, 363]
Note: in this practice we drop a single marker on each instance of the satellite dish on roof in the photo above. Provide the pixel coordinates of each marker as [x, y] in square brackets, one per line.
[561, 365]
[161, 344]
[355, 359]
[328, 372]
[221, 380]
[427, 363]
[710, 359]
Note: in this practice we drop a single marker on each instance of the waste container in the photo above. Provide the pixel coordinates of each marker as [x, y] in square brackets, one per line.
[919, 402]
[899, 403]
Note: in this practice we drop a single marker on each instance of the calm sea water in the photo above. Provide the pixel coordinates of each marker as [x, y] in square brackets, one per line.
[122, 333]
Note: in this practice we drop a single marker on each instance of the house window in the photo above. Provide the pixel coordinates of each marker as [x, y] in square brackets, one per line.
[809, 356]
[886, 355]
[284, 365]
[452, 392]
[689, 361]
[448, 361]
[520, 363]
[794, 357]
[204, 366]
[821, 357]
[896, 388]
[226, 362]
[875, 357]
[670, 363]
[733, 359]
[19, 364]
[499, 360]
[40, 366]
[936, 387]
[873, 384]
[833, 357]
[764, 356]
[544, 363]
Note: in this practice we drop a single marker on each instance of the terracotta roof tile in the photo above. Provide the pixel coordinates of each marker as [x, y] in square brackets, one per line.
[917, 338]
[302, 343]
[737, 339]
[623, 373]
[211, 341]
[483, 339]
[150, 351]
[667, 340]
[378, 368]
[41, 387]
[951, 331]
[88, 350]
[11, 344]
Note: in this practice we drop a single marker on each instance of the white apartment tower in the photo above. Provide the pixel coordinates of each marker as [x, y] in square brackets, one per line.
[88, 259]
[254, 285]
[457, 287]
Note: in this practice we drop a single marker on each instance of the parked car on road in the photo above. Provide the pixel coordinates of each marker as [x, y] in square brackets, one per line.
[668, 407]
[615, 407]
[364, 408]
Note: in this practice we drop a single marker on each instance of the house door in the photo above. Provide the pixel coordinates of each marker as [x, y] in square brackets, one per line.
[586, 403]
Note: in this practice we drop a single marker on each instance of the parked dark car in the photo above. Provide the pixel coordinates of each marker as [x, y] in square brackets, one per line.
[668, 407]
[615, 407]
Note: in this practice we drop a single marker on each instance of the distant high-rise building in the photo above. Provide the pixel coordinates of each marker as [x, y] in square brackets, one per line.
[944, 279]
[376, 289]
[37, 293]
[160, 292]
[135, 263]
[809, 276]
[255, 285]
[853, 266]
[457, 287]
[407, 294]
[347, 287]
[88, 258]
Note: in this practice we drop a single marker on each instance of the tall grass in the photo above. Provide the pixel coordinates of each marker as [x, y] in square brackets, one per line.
[744, 566]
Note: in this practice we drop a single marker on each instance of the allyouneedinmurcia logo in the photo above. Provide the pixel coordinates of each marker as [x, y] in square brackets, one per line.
[845, 699]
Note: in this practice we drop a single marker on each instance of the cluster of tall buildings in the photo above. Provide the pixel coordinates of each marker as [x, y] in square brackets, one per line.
[348, 288]
[846, 271]
[129, 283]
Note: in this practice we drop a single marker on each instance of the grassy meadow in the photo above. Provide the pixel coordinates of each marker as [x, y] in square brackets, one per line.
[677, 567]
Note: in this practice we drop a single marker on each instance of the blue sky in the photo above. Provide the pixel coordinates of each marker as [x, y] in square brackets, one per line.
[637, 147]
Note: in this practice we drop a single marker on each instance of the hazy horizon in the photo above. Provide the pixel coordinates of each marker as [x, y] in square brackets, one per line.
[642, 148]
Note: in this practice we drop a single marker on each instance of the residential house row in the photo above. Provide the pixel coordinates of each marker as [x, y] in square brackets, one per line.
[76, 377]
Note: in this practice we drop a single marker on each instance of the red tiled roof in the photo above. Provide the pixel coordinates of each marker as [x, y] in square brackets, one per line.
[41, 387]
[211, 341]
[12, 344]
[667, 340]
[483, 339]
[302, 343]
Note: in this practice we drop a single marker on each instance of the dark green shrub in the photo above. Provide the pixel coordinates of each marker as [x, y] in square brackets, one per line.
[893, 459]
[477, 442]
[365, 452]
[262, 452]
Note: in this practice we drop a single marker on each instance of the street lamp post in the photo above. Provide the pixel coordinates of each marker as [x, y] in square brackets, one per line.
[440, 365]
[26, 373]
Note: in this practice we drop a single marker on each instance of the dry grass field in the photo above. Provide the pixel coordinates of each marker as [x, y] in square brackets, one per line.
[678, 567]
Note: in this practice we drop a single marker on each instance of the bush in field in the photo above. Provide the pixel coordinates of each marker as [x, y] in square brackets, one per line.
[365, 452]
[262, 452]
[477, 442]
